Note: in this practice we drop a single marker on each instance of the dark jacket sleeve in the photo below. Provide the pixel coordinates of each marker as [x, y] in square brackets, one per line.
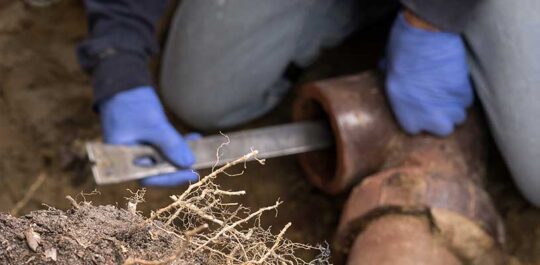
[122, 37]
[448, 15]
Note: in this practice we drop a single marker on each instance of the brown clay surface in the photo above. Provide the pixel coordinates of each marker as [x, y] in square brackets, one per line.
[400, 239]
[45, 116]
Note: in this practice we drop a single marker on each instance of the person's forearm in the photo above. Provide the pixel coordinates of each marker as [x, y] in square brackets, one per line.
[121, 40]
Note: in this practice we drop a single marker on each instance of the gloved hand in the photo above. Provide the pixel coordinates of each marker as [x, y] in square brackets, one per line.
[136, 117]
[427, 79]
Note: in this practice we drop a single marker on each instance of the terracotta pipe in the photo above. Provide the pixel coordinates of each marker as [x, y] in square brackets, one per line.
[359, 121]
[420, 192]
[461, 216]
[367, 139]
[406, 240]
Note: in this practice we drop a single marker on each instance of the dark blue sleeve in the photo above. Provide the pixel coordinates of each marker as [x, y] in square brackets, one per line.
[122, 37]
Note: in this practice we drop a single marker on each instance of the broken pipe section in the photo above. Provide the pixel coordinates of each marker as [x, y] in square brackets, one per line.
[414, 199]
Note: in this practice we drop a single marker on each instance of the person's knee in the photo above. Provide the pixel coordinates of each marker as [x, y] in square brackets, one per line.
[214, 113]
[530, 192]
[520, 151]
[208, 104]
[200, 115]
[532, 197]
[525, 175]
[209, 112]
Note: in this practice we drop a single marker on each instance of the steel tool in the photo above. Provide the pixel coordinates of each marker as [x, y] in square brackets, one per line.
[114, 164]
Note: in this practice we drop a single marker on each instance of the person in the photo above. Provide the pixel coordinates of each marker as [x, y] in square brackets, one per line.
[224, 64]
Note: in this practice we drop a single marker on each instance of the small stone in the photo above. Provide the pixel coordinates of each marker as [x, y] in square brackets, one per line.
[32, 239]
[51, 253]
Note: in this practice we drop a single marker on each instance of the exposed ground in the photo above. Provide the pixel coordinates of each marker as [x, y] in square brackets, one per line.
[45, 117]
[202, 225]
[89, 235]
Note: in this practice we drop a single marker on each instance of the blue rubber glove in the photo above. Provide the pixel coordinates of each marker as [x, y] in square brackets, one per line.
[136, 117]
[427, 79]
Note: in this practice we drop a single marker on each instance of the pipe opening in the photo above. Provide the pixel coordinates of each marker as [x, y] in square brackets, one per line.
[320, 165]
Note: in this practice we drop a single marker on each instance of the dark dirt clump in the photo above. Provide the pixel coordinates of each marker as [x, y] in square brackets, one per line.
[85, 235]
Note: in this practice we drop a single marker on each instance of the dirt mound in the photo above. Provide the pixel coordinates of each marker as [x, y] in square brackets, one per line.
[203, 225]
[83, 235]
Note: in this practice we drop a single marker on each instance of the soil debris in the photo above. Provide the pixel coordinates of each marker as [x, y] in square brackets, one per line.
[88, 235]
[201, 226]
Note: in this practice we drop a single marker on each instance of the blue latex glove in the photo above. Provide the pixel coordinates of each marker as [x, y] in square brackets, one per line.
[136, 117]
[427, 79]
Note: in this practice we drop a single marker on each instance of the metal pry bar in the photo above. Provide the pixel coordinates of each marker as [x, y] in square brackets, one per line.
[115, 163]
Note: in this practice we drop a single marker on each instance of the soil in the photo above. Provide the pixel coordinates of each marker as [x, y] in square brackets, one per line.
[87, 235]
[46, 116]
